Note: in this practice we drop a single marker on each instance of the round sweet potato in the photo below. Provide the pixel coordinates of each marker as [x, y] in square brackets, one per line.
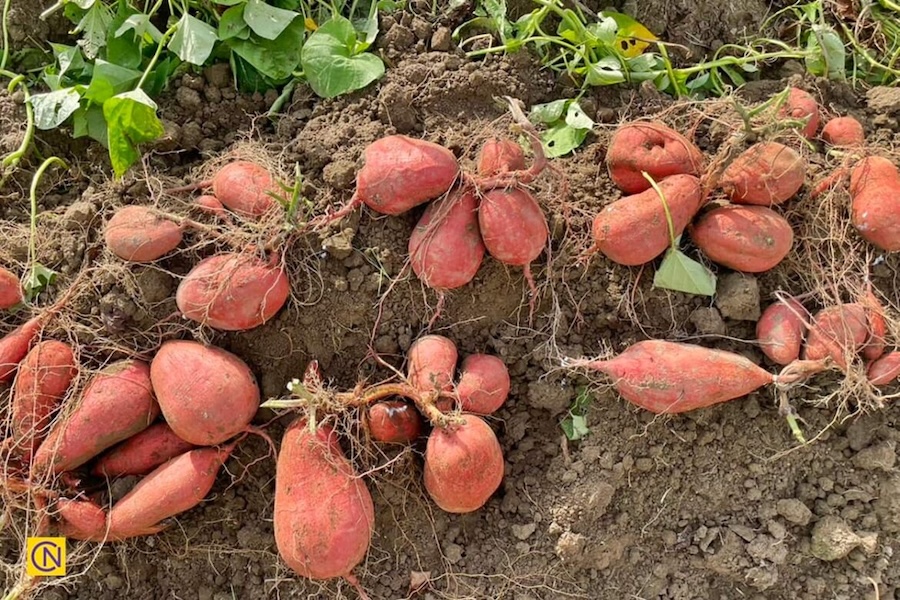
[780, 331]
[483, 384]
[394, 422]
[138, 234]
[246, 188]
[844, 131]
[500, 156]
[751, 239]
[801, 105]
[875, 197]
[652, 147]
[431, 363]
[885, 370]
[836, 330]
[513, 226]
[767, 173]
[10, 289]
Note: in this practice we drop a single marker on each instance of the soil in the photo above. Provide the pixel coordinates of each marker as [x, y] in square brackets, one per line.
[713, 504]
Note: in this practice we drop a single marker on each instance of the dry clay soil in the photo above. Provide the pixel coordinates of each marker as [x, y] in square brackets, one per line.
[706, 505]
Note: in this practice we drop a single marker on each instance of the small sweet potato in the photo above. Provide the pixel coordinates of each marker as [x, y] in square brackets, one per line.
[499, 156]
[246, 188]
[81, 519]
[463, 465]
[15, 345]
[431, 363]
[10, 289]
[767, 174]
[801, 105]
[138, 234]
[210, 205]
[634, 230]
[483, 384]
[652, 147]
[885, 370]
[394, 422]
[751, 239]
[875, 197]
[844, 131]
[835, 331]
[513, 226]
[781, 329]
[876, 342]
[141, 453]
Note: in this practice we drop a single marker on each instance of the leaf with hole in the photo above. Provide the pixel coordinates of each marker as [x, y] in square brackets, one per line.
[560, 139]
[548, 112]
[51, 109]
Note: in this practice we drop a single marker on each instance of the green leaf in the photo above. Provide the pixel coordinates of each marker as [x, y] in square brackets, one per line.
[605, 31]
[827, 55]
[575, 117]
[131, 118]
[93, 26]
[606, 71]
[575, 427]
[68, 57]
[680, 273]
[37, 280]
[90, 122]
[193, 41]
[108, 80]
[331, 63]
[158, 78]
[126, 49]
[561, 139]
[277, 58]
[51, 109]
[232, 24]
[549, 112]
[82, 4]
[229, 2]
[142, 27]
[368, 26]
[267, 21]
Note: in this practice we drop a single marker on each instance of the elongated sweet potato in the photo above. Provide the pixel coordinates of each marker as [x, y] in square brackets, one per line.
[500, 156]
[875, 208]
[246, 188]
[671, 377]
[801, 105]
[445, 247]
[463, 465]
[634, 230]
[116, 404]
[876, 342]
[781, 329]
[513, 226]
[767, 174]
[483, 384]
[885, 370]
[751, 239]
[138, 234]
[141, 453]
[233, 292]
[394, 422]
[431, 363]
[844, 131]
[15, 345]
[207, 394]
[837, 330]
[402, 172]
[10, 289]
[324, 515]
[652, 147]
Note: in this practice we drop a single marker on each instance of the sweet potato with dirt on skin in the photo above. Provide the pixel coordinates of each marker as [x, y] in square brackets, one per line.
[246, 188]
[875, 202]
[837, 330]
[885, 370]
[233, 292]
[513, 226]
[81, 519]
[767, 174]
[43, 378]
[394, 422]
[844, 131]
[498, 155]
[142, 452]
[431, 363]
[445, 248]
[671, 377]
[207, 394]
[324, 515]
[652, 147]
[117, 403]
[801, 105]
[210, 205]
[781, 329]
[634, 230]
[401, 173]
[10, 289]
[15, 345]
[463, 465]
[139, 234]
[483, 384]
[752, 239]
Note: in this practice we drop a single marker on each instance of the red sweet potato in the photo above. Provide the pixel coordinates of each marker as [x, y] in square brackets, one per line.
[207, 394]
[875, 208]
[801, 105]
[513, 226]
[246, 188]
[394, 422]
[138, 234]
[233, 292]
[15, 345]
[781, 329]
[324, 515]
[483, 384]
[634, 230]
[463, 465]
[210, 205]
[767, 174]
[876, 342]
[652, 147]
[885, 370]
[836, 330]
[499, 156]
[751, 239]
[445, 247]
[10, 289]
[402, 172]
[671, 377]
[141, 453]
[42, 380]
[844, 131]
[431, 363]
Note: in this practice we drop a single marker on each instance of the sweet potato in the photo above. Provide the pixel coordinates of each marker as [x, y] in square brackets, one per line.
[445, 247]
[431, 363]
[672, 377]
[15, 345]
[767, 174]
[463, 465]
[884, 370]
[836, 330]
[876, 342]
[81, 519]
[781, 329]
[233, 292]
[246, 188]
[875, 208]
[801, 105]
[210, 205]
[207, 394]
[513, 226]
[141, 453]
[10, 289]
[402, 172]
[138, 234]
[42, 380]
[394, 422]
[324, 515]
[499, 156]
[634, 230]
[652, 147]
[751, 239]
[483, 384]
[116, 404]
[844, 131]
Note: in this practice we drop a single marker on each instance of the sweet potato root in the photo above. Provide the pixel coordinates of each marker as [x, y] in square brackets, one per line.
[138, 234]
[767, 174]
[15, 345]
[875, 208]
[652, 147]
[752, 239]
[513, 226]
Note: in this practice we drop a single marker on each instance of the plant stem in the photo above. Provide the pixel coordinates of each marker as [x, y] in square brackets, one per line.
[159, 49]
[32, 194]
[5, 24]
[665, 204]
[12, 159]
